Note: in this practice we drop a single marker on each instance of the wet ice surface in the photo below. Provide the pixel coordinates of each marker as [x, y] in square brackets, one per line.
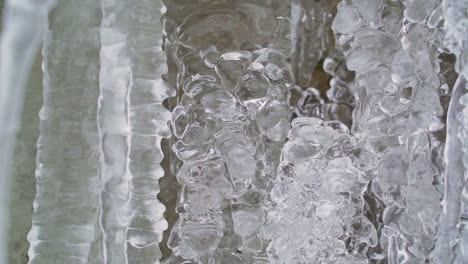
[271, 166]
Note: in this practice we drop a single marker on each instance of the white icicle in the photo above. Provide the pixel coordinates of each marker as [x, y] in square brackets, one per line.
[67, 181]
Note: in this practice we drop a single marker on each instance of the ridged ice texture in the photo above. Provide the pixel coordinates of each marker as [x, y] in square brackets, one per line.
[317, 211]
[452, 235]
[393, 52]
[132, 121]
[21, 35]
[230, 123]
[65, 209]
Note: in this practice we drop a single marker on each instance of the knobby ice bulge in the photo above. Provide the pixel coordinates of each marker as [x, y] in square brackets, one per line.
[234, 131]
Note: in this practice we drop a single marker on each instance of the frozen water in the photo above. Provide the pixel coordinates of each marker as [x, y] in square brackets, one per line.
[283, 143]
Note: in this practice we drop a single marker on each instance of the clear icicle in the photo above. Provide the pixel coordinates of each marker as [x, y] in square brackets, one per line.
[22, 32]
[453, 242]
[132, 123]
[67, 181]
[454, 180]
[148, 120]
[114, 85]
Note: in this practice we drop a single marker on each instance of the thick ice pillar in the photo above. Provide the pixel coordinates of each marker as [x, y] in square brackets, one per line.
[67, 174]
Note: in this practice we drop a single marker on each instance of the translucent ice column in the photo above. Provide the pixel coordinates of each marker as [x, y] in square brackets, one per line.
[393, 51]
[21, 35]
[132, 122]
[68, 185]
[454, 240]
[230, 123]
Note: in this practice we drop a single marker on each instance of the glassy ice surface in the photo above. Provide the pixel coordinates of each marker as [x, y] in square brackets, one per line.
[287, 132]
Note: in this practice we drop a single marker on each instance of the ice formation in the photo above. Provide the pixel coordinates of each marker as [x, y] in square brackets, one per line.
[132, 121]
[101, 126]
[230, 123]
[67, 182]
[296, 131]
[392, 51]
[19, 42]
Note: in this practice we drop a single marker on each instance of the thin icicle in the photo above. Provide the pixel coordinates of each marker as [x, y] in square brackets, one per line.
[148, 120]
[66, 204]
[115, 82]
[454, 179]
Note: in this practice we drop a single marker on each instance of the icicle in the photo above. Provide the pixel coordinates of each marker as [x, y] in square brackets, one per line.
[68, 185]
[22, 32]
[114, 129]
[149, 121]
[454, 180]
[132, 123]
[454, 14]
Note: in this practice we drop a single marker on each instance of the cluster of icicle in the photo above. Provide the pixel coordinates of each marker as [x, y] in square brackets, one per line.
[394, 48]
[231, 120]
[98, 161]
[332, 189]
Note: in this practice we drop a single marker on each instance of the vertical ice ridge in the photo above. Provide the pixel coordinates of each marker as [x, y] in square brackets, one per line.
[115, 83]
[454, 15]
[149, 124]
[132, 123]
[21, 35]
[66, 204]
[454, 180]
